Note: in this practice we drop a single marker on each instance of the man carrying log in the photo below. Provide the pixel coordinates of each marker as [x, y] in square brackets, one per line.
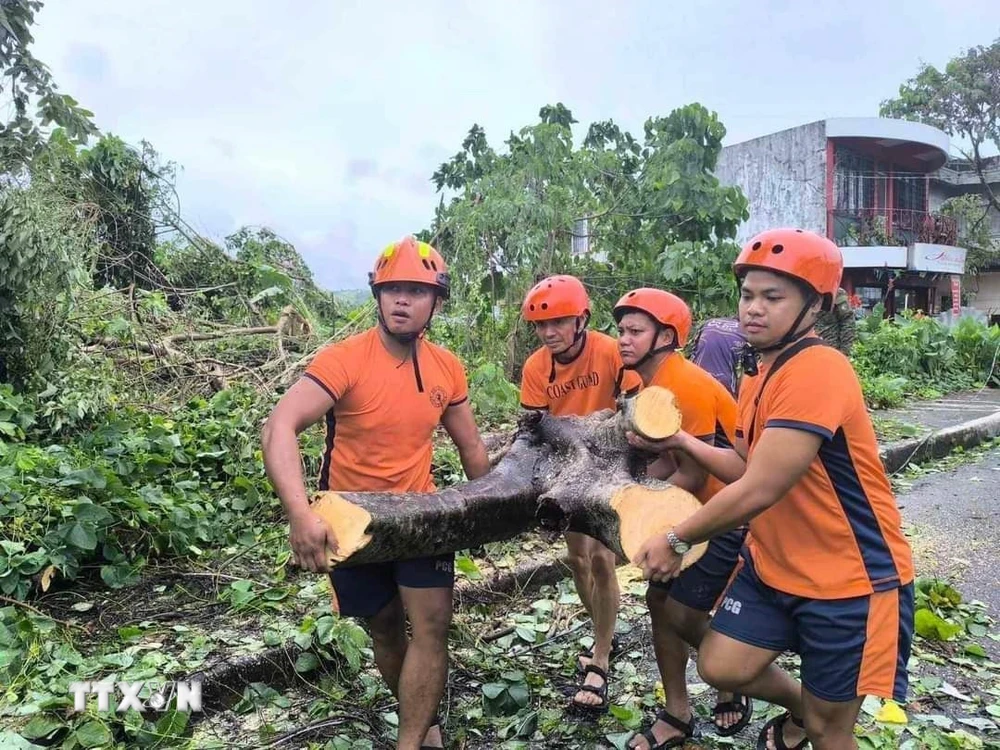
[578, 372]
[383, 394]
[652, 326]
[829, 572]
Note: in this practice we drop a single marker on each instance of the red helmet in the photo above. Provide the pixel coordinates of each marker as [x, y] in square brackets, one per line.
[802, 255]
[666, 308]
[556, 297]
[411, 260]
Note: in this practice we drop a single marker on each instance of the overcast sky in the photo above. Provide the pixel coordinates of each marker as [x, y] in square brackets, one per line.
[325, 121]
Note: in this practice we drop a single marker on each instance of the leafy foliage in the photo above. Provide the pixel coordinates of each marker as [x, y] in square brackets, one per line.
[136, 485]
[28, 81]
[963, 100]
[917, 355]
[639, 212]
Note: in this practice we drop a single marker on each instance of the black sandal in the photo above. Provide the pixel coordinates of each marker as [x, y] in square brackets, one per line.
[601, 692]
[616, 648]
[740, 704]
[435, 722]
[778, 723]
[687, 727]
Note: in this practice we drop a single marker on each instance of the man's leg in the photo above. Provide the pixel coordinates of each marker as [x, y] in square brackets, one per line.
[679, 611]
[425, 587]
[674, 627]
[388, 632]
[579, 562]
[830, 726]
[729, 664]
[425, 668]
[369, 592]
[749, 631]
[851, 648]
[604, 599]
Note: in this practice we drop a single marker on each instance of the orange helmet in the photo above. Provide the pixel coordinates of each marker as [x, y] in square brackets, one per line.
[802, 255]
[556, 297]
[665, 308]
[411, 260]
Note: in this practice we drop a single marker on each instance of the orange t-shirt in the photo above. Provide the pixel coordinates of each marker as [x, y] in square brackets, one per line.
[707, 410]
[587, 384]
[378, 433]
[837, 533]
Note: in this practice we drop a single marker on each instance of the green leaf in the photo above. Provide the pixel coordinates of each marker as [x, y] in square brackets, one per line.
[172, 724]
[974, 649]
[82, 537]
[976, 629]
[525, 634]
[129, 632]
[932, 627]
[93, 734]
[306, 662]
[519, 693]
[467, 567]
[40, 726]
[492, 690]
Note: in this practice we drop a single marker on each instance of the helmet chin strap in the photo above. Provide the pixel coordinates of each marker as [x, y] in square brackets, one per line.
[654, 350]
[793, 334]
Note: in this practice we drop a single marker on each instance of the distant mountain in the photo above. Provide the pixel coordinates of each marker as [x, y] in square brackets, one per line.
[351, 297]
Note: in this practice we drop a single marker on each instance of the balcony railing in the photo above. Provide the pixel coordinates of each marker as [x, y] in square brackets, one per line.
[867, 227]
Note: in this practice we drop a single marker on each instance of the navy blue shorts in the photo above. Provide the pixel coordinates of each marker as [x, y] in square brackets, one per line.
[365, 590]
[849, 647]
[700, 586]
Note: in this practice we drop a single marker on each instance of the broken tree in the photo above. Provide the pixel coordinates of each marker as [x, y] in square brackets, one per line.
[567, 473]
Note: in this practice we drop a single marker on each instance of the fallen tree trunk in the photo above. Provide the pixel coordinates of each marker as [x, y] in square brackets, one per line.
[566, 473]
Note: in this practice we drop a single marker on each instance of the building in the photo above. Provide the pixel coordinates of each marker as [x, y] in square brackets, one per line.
[869, 184]
[957, 178]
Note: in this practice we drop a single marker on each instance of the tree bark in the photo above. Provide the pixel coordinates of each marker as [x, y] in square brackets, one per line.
[566, 473]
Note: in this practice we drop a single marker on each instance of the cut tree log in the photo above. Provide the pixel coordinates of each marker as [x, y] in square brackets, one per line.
[654, 413]
[565, 473]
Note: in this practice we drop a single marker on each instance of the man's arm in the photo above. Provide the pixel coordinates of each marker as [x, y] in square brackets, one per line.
[780, 460]
[303, 405]
[679, 469]
[460, 424]
[725, 464]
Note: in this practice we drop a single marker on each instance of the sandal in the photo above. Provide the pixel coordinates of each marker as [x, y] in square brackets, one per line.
[687, 727]
[616, 648]
[601, 692]
[778, 723]
[740, 704]
[435, 722]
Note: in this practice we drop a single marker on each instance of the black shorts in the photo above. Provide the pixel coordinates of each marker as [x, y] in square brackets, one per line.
[365, 590]
[700, 586]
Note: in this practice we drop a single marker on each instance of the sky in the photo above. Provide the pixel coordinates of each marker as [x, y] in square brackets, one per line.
[324, 121]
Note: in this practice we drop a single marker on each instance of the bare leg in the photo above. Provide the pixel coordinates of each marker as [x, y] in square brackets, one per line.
[425, 668]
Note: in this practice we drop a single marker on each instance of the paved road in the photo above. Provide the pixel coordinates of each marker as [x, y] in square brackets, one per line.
[956, 519]
[947, 411]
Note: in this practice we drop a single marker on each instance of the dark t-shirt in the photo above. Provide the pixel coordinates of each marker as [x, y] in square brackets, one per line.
[718, 350]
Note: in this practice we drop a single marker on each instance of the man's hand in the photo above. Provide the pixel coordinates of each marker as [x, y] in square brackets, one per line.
[676, 441]
[312, 542]
[658, 560]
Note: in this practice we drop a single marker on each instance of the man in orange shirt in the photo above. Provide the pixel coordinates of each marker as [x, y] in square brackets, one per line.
[578, 372]
[829, 572]
[383, 393]
[653, 325]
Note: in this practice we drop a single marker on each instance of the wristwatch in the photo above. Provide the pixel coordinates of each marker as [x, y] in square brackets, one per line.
[678, 545]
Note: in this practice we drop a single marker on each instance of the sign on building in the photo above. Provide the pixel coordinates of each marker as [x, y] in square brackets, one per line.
[922, 256]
